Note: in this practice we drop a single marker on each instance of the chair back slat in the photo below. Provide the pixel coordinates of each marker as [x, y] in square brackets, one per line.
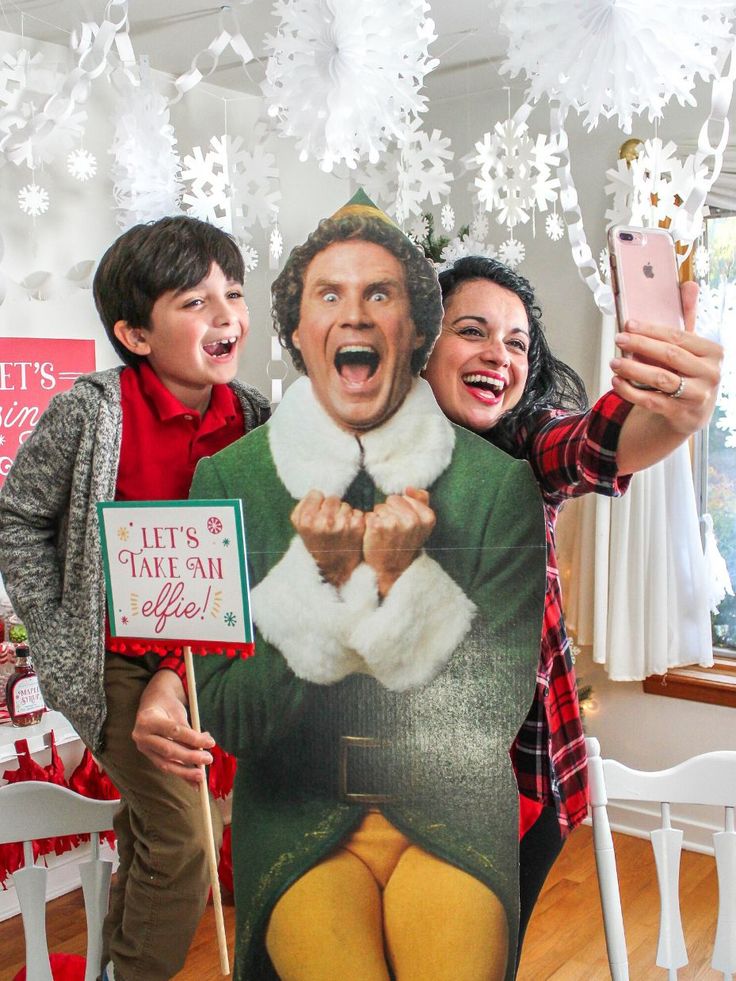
[30, 810]
[667, 846]
[706, 779]
[724, 952]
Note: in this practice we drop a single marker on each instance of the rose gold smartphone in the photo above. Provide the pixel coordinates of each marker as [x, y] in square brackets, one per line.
[644, 277]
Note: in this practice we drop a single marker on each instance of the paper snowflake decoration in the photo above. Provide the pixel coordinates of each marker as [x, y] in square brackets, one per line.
[512, 253]
[419, 228]
[342, 78]
[410, 175]
[81, 164]
[461, 246]
[604, 264]
[479, 226]
[250, 257]
[276, 244]
[146, 167]
[33, 200]
[514, 172]
[230, 186]
[701, 262]
[649, 189]
[554, 226]
[14, 77]
[26, 86]
[615, 57]
[422, 174]
[447, 217]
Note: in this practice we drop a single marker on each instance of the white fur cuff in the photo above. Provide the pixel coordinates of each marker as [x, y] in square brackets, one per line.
[305, 618]
[411, 636]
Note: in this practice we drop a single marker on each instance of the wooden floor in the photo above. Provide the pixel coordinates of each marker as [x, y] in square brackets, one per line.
[565, 937]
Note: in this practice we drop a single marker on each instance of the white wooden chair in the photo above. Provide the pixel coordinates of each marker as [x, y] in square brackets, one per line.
[706, 779]
[32, 810]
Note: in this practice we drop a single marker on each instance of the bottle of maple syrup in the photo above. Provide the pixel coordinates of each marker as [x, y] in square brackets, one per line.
[22, 693]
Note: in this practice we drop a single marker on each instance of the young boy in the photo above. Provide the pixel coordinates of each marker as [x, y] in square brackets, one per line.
[170, 297]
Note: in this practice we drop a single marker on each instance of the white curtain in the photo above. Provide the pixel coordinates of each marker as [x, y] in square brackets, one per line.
[645, 607]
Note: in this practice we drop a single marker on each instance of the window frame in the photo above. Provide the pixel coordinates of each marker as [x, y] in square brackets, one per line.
[714, 685]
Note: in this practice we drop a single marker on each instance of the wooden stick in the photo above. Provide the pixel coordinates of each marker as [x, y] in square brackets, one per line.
[207, 817]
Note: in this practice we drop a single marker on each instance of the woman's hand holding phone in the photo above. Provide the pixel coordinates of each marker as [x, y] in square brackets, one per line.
[681, 371]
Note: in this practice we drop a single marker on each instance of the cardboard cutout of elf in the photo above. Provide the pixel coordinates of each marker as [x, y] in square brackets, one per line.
[397, 565]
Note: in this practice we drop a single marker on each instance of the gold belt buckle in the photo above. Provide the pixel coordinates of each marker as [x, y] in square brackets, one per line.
[363, 742]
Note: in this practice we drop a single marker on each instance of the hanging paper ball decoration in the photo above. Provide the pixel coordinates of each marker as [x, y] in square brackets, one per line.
[146, 167]
[343, 76]
[615, 57]
[81, 164]
[33, 200]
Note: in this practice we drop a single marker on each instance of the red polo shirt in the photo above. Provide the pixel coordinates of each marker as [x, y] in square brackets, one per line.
[162, 442]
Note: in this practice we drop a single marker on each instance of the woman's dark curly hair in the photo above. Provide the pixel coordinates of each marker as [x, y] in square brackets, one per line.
[421, 279]
[550, 384]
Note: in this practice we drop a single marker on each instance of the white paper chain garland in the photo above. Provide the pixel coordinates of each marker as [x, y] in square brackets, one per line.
[21, 135]
[214, 50]
[685, 227]
[44, 285]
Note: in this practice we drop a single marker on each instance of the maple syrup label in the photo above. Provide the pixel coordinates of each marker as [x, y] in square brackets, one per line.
[26, 697]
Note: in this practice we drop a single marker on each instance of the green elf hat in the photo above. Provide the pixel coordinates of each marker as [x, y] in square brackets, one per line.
[360, 205]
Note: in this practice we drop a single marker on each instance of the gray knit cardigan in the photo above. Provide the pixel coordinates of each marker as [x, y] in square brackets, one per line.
[50, 555]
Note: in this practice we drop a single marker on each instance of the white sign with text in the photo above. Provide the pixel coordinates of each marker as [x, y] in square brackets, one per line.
[176, 571]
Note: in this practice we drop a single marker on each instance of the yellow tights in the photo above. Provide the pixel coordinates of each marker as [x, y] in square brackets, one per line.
[378, 900]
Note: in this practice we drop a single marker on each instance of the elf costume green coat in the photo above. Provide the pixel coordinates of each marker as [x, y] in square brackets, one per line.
[408, 704]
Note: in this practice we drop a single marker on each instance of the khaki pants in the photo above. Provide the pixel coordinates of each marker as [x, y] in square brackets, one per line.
[162, 883]
[380, 900]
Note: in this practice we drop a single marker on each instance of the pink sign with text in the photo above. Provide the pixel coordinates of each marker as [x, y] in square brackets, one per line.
[32, 370]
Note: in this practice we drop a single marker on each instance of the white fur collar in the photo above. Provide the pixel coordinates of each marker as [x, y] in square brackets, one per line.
[311, 452]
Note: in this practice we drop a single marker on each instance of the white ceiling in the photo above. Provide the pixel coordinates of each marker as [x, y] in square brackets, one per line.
[172, 32]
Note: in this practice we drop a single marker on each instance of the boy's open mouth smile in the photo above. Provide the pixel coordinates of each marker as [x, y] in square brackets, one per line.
[220, 348]
[484, 386]
[356, 363]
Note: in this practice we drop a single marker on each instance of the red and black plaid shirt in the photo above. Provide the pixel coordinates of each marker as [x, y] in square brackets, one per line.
[571, 455]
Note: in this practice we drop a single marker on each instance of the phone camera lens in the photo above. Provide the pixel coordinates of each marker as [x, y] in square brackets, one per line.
[626, 237]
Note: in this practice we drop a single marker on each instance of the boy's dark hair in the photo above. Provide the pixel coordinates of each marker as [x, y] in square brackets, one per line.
[149, 260]
[550, 384]
[421, 279]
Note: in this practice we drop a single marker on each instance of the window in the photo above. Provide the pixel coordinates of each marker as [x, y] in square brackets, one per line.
[715, 478]
[716, 449]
